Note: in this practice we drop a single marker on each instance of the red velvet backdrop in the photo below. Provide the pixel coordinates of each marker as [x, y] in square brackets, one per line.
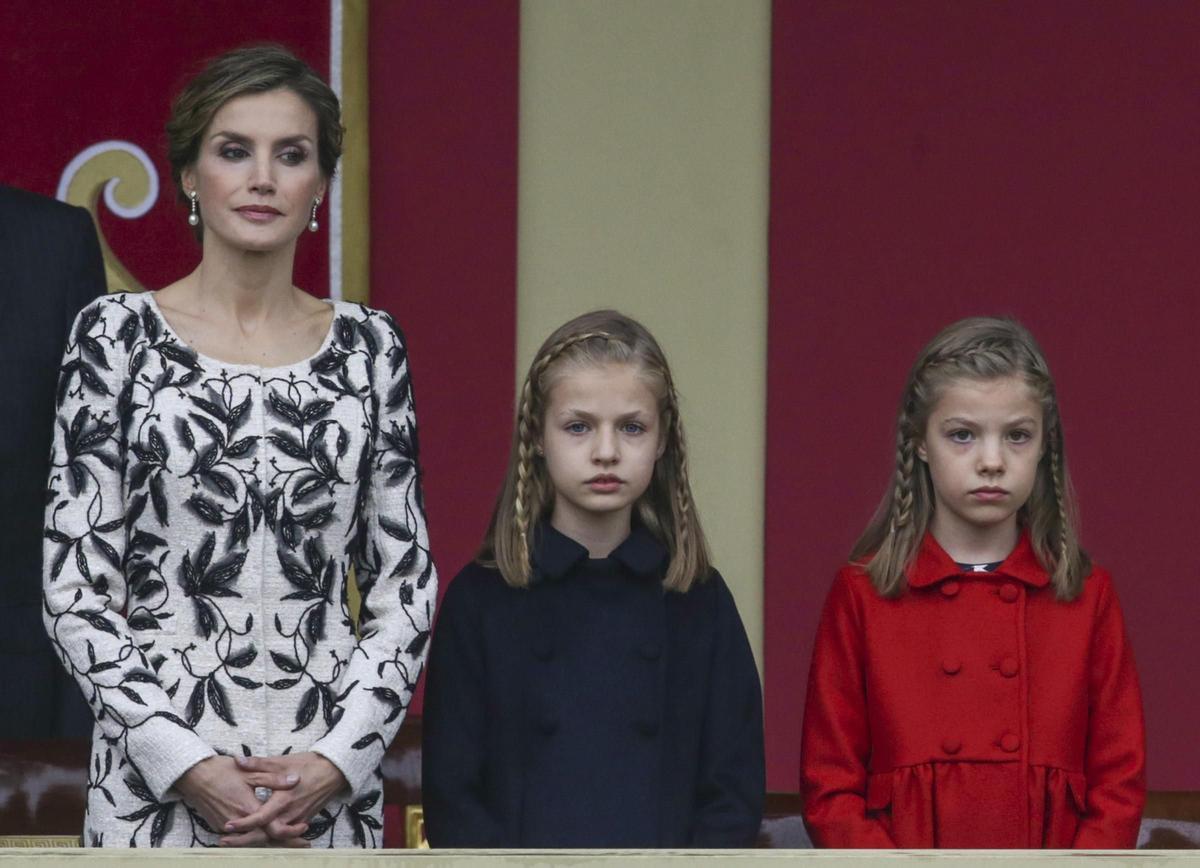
[444, 242]
[932, 160]
[73, 74]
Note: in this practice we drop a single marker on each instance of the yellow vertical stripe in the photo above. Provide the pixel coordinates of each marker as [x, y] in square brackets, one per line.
[644, 186]
[355, 168]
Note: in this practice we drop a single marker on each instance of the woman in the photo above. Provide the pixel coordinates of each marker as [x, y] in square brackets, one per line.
[225, 450]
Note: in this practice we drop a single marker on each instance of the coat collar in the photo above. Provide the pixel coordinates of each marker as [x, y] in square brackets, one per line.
[932, 564]
[555, 554]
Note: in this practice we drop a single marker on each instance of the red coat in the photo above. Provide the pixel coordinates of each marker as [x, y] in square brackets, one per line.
[974, 710]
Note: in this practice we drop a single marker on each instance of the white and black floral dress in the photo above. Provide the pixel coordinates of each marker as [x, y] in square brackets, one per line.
[201, 522]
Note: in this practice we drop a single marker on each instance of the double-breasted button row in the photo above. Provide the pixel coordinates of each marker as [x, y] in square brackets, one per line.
[1009, 667]
[1005, 665]
[543, 650]
[1008, 592]
[547, 725]
[1009, 742]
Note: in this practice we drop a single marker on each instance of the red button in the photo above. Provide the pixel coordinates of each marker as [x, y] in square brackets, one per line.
[951, 745]
[1009, 667]
[951, 665]
[1010, 742]
[1009, 593]
[950, 588]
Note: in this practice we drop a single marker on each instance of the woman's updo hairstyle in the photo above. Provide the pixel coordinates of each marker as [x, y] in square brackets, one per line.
[249, 70]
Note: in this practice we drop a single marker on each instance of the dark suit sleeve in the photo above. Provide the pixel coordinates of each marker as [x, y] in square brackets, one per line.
[732, 776]
[454, 728]
[82, 251]
[51, 268]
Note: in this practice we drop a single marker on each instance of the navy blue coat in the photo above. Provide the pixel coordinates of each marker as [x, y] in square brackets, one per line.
[592, 709]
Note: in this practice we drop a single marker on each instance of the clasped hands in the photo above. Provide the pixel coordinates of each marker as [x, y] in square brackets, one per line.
[222, 788]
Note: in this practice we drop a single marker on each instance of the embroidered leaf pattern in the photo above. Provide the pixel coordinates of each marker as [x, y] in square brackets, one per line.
[186, 499]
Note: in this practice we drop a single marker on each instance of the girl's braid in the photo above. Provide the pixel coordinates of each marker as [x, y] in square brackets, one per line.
[902, 490]
[967, 355]
[683, 503]
[1059, 497]
[527, 426]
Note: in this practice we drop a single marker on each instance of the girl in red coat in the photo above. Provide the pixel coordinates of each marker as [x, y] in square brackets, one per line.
[972, 684]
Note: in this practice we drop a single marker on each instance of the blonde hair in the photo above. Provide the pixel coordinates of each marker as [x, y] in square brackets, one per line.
[667, 508]
[979, 348]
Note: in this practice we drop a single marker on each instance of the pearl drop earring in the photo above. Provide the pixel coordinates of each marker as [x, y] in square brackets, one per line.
[194, 216]
[313, 225]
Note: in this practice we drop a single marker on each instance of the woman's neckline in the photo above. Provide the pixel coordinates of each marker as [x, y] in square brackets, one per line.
[210, 361]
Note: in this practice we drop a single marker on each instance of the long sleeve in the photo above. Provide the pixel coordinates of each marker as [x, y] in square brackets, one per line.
[86, 284]
[732, 776]
[84, 585]
[396, 578]
[836, 741]
[1115, 763]
[453, 755]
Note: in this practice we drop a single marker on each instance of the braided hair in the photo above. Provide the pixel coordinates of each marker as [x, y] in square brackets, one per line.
[978, 348]
[667, 508]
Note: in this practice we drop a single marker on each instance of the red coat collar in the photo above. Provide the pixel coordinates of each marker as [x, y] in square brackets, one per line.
[932, 564]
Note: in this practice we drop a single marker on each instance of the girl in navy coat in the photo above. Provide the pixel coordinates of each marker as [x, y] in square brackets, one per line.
[590, 683]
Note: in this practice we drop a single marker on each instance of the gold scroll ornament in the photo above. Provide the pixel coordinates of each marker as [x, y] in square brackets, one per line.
[132, 184]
